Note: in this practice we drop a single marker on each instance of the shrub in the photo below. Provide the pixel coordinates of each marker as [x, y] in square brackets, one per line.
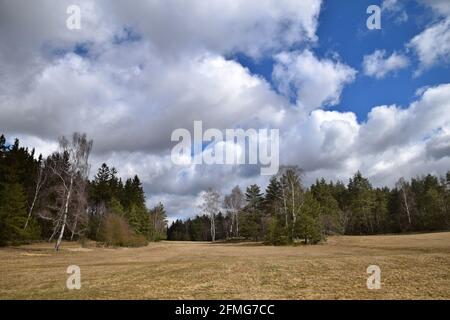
[115, 231]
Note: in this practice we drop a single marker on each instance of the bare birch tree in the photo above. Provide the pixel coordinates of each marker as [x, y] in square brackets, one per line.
[158, 220]
[70, 168]
[234, 202]
[40, 181]
[78, 219]
[293, 195]
[211, 207]
[405, 194]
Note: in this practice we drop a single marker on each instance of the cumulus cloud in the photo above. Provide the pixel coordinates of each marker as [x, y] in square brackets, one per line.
[144, 71]
[378, 65]
[133, 74]
[252, 27]
[313, 82]
[393, 126]
[143, 91]
[394, 141]
[438, 146]
[175, 27]
[432, 45]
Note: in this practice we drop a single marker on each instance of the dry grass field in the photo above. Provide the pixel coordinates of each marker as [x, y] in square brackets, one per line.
[412, 267]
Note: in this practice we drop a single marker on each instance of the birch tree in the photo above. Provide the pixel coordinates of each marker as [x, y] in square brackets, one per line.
[211, 207]
[158, 220]
[69, 169]
[40, 181]
[406, 197]
[293, 196]
[234, 202]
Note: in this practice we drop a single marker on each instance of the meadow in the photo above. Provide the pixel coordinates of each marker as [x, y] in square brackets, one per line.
[412, 267]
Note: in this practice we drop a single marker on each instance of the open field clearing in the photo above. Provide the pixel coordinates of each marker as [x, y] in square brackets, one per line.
[412, 267]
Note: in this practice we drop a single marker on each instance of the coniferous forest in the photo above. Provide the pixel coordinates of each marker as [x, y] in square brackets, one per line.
[53, 199]
[288, 211]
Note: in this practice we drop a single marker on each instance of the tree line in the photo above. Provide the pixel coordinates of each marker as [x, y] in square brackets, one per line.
[289, 212]
[53, 199]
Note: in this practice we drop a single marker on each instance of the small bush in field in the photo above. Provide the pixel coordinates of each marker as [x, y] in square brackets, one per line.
[115, 231]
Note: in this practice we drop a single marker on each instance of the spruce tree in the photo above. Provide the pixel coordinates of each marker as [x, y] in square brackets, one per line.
[13, 214]
[309, 225]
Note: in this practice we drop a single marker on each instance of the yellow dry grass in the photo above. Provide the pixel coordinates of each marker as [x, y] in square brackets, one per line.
[412, 267]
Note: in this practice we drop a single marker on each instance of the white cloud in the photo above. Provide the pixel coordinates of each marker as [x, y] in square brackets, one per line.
[392, 126]
[172, 27]
[394, 8]
[106, 96]
[432, 45]
[378, 65]
[393, 142]
[251, 26]
[314, 82]
[42, 147]
[438, 146]
[390, 5]
[440, 7]
[129, 95]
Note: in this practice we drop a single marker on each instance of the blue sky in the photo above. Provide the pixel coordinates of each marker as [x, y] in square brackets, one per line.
[342, 30]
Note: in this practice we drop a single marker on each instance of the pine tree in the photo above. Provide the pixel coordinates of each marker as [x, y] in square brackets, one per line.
[309, 226]
[273, 196]
[273, 206]
[17, 176]
[100, 187]
[116, 207]
[133, 218]
[362, 203]
[331, 213]
[254, 197]
[13, 215]
[251, 222]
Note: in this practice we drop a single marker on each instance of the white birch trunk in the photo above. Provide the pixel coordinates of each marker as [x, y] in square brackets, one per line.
[232, 223]
[293, 210]
[213, 228]
[406, 205]
[237, 224]
[31, 209]
[66, 210]
[36, 193]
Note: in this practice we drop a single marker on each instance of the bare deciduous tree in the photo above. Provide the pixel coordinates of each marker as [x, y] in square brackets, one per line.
[234, 202]
[211, 207]
[158, 220]
[292, 193]
[40, 181]
[405, 193]
[70, 168]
